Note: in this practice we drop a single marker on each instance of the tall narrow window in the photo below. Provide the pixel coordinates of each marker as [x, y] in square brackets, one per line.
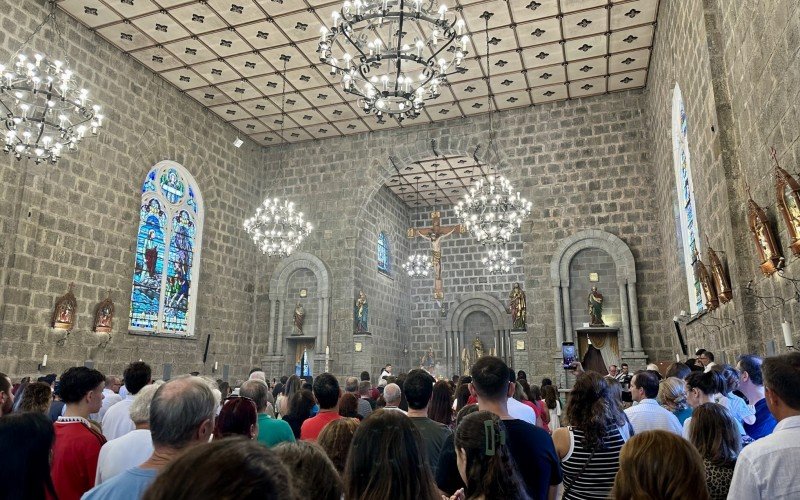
[384, 254]
[164, 292]
[683, 179]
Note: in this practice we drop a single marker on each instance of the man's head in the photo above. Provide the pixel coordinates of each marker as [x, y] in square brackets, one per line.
[624, 368]
[327, 391]
[351, 385]
[749, 368]
[364, 388]
[182, 413]
[392, 394]
[113, 383]
[781, 389]
[137, 375]
[6, 398]
[365, 375]
[83, 387]
[140, 408]
[644, 385]
[257, 391]
[418, 387]
[258, 375]
[253, 370]
[705, 358]
[388, 368]
[612, 370]
[491, 379]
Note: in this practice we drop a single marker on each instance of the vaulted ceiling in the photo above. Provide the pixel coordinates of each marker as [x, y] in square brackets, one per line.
[226, 54]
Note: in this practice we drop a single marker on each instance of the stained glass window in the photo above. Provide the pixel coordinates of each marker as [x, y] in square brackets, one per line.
[384, 254]
[690, 240]
[167, 252]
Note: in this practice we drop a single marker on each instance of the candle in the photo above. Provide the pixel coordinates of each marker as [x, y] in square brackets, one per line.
[44, 360]
[677, 358]
[787, 333]
[683, 313]
[215, 365]
[327, 351]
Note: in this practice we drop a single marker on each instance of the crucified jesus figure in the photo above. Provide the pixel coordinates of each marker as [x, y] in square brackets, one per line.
[435, 233]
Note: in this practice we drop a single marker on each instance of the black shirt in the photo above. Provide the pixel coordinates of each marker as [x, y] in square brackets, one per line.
[535, 455]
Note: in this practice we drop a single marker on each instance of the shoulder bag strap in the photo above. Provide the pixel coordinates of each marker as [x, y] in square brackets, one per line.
[586, 464]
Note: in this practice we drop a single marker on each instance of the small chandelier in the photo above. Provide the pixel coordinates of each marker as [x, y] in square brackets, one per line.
[45, 109]
[492, 211]
[498, 260]
[418, 265]
[369, 45]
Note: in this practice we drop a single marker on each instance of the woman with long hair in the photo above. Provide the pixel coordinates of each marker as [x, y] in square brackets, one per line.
[299, 410]
[589, 448]
[310, 470]
[716, 438]
[335, 439]
[386, 461]
[462, 396]
[553, 405]
[440, 409]
[672, 396]
[535, 397]
[659, 465]
[292, 386]
[521, 395]
[617, 409]
[348, 406]
[701, 388]
[238, 417]
[25, 440]
[484, 460]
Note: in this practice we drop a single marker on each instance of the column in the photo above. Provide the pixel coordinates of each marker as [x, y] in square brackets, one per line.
[325, 321]
[625, 339]
[320, 306]
[634, 308]
[460, 347]
[565, 303]
[280, 340]
[271, 346]
[559, 316]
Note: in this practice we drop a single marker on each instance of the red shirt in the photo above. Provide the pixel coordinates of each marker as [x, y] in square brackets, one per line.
[75, 453]
[313, 426]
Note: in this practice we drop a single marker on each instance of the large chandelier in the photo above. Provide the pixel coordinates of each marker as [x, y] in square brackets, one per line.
[46, 110]
[492, 211]
[393, 54]
[498, 260]
[418, 265]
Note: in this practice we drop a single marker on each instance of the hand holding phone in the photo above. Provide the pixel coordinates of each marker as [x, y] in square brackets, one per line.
[569, 355]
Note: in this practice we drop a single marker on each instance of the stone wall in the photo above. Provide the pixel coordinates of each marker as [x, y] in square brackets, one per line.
[593, 260]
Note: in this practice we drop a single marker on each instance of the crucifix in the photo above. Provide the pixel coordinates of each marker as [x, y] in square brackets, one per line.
[435, 233]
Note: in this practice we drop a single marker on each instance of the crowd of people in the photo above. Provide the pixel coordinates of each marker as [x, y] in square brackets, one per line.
[700, 430]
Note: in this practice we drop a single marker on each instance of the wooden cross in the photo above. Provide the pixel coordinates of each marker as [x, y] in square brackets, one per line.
[435, 233]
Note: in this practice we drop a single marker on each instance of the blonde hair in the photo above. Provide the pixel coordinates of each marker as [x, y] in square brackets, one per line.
[672, 394]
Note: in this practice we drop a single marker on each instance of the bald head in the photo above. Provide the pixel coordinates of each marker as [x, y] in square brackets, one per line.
[178, 411]
[392, 394]
[257, 391]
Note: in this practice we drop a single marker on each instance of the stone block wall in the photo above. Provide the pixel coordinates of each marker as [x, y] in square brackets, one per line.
[302, 279]
[593, 260]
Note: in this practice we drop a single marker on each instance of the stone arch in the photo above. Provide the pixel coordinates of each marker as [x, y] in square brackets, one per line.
[456, 327]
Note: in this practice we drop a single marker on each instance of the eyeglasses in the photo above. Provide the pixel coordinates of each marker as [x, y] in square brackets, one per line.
[236, 398]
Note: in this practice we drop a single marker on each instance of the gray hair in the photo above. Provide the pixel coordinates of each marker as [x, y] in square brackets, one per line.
[392, 393]
[140, 408]
[351, 384]
[257, 391]
[258, 375]
[178, 409]
[364, 387]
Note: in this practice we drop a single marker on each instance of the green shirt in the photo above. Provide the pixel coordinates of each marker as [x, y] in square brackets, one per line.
[272, 431]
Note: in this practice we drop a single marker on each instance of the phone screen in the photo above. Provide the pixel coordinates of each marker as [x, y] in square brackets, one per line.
[569, 354]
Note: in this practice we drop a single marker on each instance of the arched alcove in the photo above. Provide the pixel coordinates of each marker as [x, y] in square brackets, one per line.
[473, 309]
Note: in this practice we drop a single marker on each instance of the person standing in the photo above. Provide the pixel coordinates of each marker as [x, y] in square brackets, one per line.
[327, 391]
[117, 420]
[110, 397]
[270, 431]
[26, 439]
[751, 383]
[648, 415]
[6, 397]
[706, 359]
[716, 437]
[418, 387]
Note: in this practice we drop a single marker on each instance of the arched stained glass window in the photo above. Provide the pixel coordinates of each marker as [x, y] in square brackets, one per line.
[384, 254]
[687, 214]
[167, 253]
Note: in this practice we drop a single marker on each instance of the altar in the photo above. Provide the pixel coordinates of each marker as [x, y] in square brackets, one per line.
[598, 347]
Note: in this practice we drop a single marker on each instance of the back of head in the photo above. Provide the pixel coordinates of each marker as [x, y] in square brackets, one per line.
[364, 387]
[521, 375]
[310, 470]
[659, 465]
[178, 409]
[326, 390]
[386, 461]
[392, 394]
[781, 374]
[258, 375]
[519, 392]
[228, 468]
[730, 377]
[751, 364]
[36, 397]
[365, 376]
[708, 383]
[418, 387]
[77, 381]
[335, 439]
[237, 418]
[140, 408]
[26, 439]
[440, 408]
[546, 382]
[490, 468]
[348, 405]
[647, 381]
[679, 370]
[490, 378]
[714, 433]
[588, 408]
[257, 391]
[351, 385]
[550, 396]
[672, 393]
[301, 404]
[293, 384]
[137, 375]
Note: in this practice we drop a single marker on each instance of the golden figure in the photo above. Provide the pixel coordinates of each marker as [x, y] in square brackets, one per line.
[518, 308]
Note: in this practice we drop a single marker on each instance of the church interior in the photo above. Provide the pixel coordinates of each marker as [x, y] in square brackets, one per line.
[259, 183]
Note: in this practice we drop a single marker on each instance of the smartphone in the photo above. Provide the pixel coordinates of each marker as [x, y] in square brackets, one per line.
[569, 354]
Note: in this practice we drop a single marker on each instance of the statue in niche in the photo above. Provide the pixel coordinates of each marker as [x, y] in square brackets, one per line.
[517, 308]
[788, 194]
[477, 348]
[64, 312]
[769, 253]
[595, 304]
[428, 361]
[104, 315]
[721, 280]
[361, 313]
[706, 283]
[470, 355]
[299, 319]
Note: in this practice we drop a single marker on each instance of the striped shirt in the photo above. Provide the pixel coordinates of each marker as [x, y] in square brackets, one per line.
[597, 478]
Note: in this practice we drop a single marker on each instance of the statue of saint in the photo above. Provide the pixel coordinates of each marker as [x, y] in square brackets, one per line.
[361, 313]
[518, 307]
[428, 361]
[466, 361]
[596, 308]
[477, 348]
[299, 318]
[763, 239]
[104, 315]
[64, 312]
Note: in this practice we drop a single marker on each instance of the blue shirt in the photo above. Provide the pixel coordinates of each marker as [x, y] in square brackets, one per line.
[683, 414]
[130, 485]
[765, 422]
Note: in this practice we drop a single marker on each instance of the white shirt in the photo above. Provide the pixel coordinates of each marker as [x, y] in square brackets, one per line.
[767, 468]
[394, 408]
[110, 398]
[117, 420]
[648, 415]
[384, 373]
[709, 367]
[119, 455]
[521, 411]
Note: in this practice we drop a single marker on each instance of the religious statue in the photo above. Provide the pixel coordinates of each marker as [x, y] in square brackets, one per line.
[721, 280]
[706, 283]
[595, 308]
[361, 313]
[469, 356]
[518, 308]
[477, 348]
[104, 315]
[428, 361]
[769, 253]
[64, 312]
[299, 318]
[435, 233]
[788, 194]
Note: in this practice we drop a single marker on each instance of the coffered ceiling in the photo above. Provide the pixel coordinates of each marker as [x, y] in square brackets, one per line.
[441, 180]
[227, 54]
